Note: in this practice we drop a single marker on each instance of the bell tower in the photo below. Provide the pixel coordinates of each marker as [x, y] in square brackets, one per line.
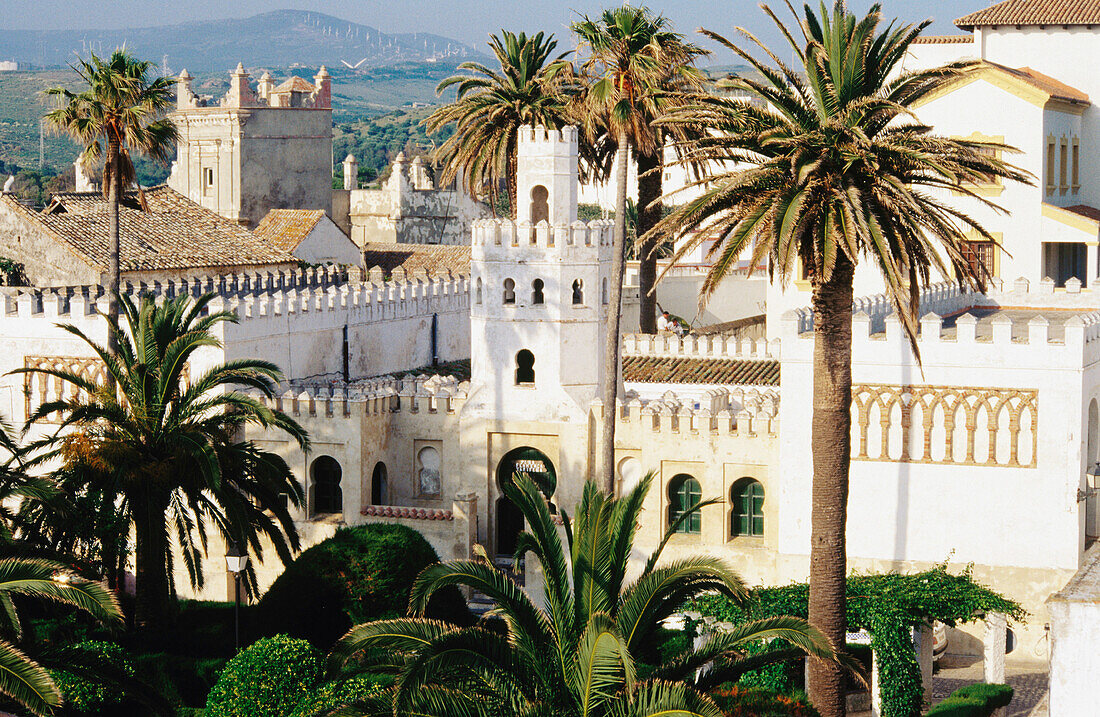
[539, 293]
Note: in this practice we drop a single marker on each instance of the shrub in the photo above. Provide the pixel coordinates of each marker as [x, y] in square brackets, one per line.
[979, 700]
[184, 681]
[360, 574]
[267, 679]
[736, 701]
[85, 695]
[331, 695]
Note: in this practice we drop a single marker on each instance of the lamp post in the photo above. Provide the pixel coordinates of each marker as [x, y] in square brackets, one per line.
[236, 560]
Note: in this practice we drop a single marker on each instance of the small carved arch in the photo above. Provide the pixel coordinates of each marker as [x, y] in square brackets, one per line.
[509, 291]
[525, 368]
[379, 488]
[325, 493]
[537, 295]
[477, 292]
[578, 292]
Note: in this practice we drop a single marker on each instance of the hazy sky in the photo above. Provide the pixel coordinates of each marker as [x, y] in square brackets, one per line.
[465, 20]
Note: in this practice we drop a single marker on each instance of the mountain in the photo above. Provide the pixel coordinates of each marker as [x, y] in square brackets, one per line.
[280, 38]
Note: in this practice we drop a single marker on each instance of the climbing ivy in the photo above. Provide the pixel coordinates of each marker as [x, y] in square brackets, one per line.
[888, 606]
[12, 273]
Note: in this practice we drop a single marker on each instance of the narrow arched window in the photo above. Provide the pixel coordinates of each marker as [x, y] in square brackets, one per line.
[683, 493]
[540, 204]
[427, 471]
[578, 292]
[477, 292]
[379, 491]
[603, 292]
[525, 368]
[325, 486]
[747, 516]
[509, 291]
[536, 292]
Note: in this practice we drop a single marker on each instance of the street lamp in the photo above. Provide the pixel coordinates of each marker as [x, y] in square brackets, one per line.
[236, 560]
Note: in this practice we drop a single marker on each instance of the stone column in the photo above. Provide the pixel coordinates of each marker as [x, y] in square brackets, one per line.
[464, 510]
[876, 687]
[996, 634]
[922, 644]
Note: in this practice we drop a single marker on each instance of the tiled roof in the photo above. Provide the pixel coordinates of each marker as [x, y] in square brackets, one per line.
[431, 258]
[295, 84]
[175, 233]
[943, 39]
[1035, 12]
[1085, 211]
[287, 228]
[669, 369]
[1056, 89]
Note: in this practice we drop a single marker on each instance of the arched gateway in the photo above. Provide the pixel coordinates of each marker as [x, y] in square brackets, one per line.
[509, 521]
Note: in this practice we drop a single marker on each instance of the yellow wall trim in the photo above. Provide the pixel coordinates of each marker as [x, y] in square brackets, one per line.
[1010, 84]
[1071, 219]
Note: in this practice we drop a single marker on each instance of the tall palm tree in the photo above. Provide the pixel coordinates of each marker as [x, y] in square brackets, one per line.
[491, 105]
[833, 168]
[165, 448]
[590, 652]
[21, 678]
[121, 111]
[628, 50]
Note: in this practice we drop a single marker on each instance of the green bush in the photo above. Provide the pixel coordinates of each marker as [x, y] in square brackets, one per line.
[979, 700]
[737, 701]
[331, 695]
[267, 679]
[85, 695]
[360, 574]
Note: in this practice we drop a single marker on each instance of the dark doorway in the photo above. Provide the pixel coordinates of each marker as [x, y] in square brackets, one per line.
[509, 520]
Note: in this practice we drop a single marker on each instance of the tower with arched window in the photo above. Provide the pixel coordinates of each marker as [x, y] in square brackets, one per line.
[537, 330]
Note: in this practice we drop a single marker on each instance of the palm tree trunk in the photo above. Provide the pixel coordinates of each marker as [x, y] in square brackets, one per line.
[606, 465]
[151, 555]
[513, 184]
[649, 213]
[113, 272]
[832, 446]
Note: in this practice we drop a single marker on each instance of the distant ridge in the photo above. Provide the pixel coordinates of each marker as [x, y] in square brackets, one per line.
[279, 38]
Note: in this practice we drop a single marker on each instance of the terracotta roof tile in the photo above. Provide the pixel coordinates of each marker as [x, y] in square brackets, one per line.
[295, 84]
[174, 234]
[287, 228]
[1035, 12]
[943, 39]
[1056, 89]
[1085, 211]
[417, 258]
[669, 369]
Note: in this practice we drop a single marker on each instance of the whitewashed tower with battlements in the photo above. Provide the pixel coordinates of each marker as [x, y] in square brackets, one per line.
[539, 289]
[255, 149]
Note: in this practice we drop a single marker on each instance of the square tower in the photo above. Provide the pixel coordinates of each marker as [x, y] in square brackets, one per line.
[256, 149]
[546, 175]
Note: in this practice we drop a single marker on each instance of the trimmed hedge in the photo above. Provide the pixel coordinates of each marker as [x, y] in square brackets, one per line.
[978, 700]
[360, 574]
[736, 701]
[331, 695]
[88, 696]
[267, 679]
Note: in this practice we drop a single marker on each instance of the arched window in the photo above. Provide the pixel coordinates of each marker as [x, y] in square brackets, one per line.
[536, 292]
[540, 204]
[630, 473]
[477, 292]
[578, 292]
[603, 292]
[379, 491]
[325, 486]
[684, 492]
[525, 368]
[509, 291]
[427, 470]
[747, 516]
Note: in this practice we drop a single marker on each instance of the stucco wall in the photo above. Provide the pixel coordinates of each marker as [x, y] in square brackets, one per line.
[47, 262]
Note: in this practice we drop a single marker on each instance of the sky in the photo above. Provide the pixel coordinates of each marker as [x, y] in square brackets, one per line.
[468, 21]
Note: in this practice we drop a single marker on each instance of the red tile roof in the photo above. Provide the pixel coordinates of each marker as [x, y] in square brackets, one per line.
[943, 39]
[669, 369]
[1034, 12]
[1085, 211]
[287, 228]
[416, 258]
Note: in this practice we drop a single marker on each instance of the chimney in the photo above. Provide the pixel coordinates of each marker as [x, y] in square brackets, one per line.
[351, 173]
[322, 96]
[185, 98]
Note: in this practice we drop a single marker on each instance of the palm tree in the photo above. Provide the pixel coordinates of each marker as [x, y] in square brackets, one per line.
[490, 106]
[833, 164]
[21, 678]
[590, 651]
[630, 52]
[123, 109]
[165, 450]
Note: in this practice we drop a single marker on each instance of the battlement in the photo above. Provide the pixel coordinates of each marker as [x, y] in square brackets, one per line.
[540, 140]
[747, 413]
[702, 347]
[293, 93]
[506, 234]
